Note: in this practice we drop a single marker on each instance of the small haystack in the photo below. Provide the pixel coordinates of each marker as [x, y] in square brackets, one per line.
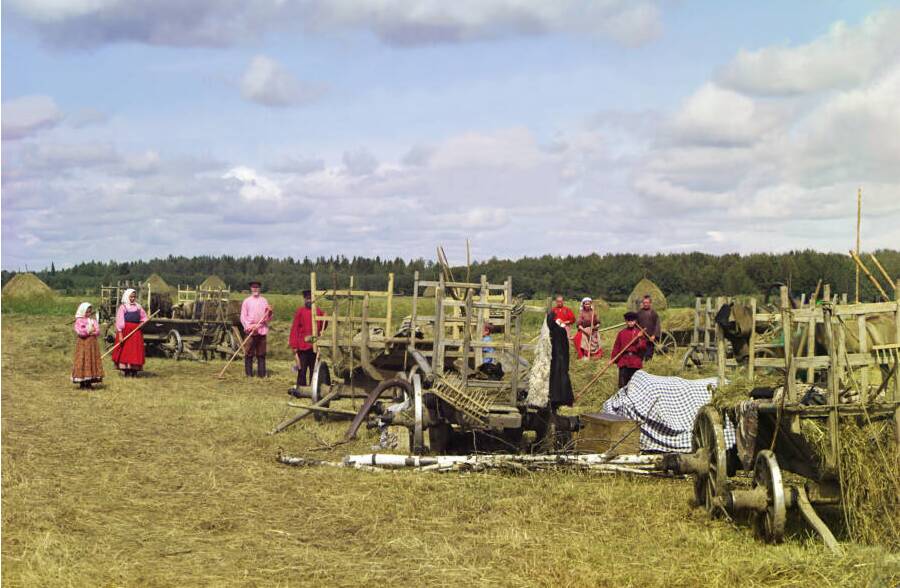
[643, 288]
[158, 285]
[213, 282]
[26, 285]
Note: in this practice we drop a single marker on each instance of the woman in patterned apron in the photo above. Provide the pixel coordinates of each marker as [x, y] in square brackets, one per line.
[87, 368]
[129, 356]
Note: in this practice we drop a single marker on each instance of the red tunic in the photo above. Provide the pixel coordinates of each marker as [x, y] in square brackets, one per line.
[130, 354]
[634, 357]
[301, 328]
[564, 314]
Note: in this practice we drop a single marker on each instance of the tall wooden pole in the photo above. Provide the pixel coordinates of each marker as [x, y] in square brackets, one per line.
[858, 218]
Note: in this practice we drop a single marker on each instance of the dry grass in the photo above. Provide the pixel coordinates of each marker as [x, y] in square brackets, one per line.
[171, 480]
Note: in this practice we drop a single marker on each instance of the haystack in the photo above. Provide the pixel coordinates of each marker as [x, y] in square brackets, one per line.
[643, 288]
[26, 285]
[213, 282]
[158, 285]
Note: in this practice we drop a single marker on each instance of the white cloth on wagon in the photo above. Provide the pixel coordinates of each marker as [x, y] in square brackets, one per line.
[665, 407]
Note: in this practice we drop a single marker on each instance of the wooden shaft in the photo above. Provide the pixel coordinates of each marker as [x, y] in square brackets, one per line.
[296, 418]
[860, 265]
[241, 346]
[858, 218]
[611, 362]
[881, 268]
[128, 336]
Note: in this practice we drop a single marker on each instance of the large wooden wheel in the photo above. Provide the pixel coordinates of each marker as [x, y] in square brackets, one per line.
[173, 346]
[708, 445]
[693, 359]
[769, 523]
[666, 345]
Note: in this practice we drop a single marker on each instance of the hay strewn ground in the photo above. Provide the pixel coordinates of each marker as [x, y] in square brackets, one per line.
[171, 480]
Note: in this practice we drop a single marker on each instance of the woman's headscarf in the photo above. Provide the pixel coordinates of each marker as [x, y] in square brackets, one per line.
[126, 294]
[585, 299]
[82, 309]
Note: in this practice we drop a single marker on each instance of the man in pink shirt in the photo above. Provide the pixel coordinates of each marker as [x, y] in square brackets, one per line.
[255, 316]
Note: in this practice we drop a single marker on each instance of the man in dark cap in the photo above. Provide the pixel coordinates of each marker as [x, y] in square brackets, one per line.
[631, 344]
[301, 329]
[255, 316]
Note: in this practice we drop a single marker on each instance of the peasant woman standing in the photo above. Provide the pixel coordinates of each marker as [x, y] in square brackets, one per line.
[129, 355]
[87, 368]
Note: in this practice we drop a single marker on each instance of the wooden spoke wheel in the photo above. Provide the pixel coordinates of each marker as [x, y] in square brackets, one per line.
[693, 359]
[320, 376]
[173, 346]
[666, 345]
[769, 523]
[708, 445]
[230, 341]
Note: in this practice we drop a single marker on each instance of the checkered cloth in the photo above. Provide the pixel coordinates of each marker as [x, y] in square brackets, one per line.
[666, 408]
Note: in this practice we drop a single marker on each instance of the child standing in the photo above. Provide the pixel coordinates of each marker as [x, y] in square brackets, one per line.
[87, 367]
[632, 345]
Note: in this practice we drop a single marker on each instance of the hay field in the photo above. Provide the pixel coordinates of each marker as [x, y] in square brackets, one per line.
[171, 479]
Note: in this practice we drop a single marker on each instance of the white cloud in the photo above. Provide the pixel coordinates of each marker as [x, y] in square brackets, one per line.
[266, 82]
[397, 22]
[360, 162]
[253, 187]
[27, 115]
[842, 58]
[716, 115]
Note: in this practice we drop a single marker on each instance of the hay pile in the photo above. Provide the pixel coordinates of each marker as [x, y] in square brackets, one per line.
[643, 288]
[738, 387]
[680, 319]
[26, 285]
[158, 285]
[213, 282]
[870, 477]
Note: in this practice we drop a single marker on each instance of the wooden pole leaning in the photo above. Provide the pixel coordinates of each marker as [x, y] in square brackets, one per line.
[128, 336]
[861, 265]
[244, 342]
[612, 361]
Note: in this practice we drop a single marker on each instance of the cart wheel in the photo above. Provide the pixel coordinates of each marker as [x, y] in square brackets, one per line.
[173, 346]
[109, 339]
[666, 344]
[231, 342]
[693, 359]
[708, 444]
[321, 375]
[417, 438]
[769, 524]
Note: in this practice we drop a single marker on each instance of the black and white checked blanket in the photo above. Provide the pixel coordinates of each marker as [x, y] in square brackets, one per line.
[665, 407]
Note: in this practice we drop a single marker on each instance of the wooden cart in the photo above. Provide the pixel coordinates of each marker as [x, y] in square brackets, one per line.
[431, 373]
[778, 441]
[199, 323]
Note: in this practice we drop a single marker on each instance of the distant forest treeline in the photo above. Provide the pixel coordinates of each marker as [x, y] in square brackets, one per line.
[612, 276]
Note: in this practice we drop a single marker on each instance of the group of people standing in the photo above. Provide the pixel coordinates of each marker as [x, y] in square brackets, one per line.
[633, 345]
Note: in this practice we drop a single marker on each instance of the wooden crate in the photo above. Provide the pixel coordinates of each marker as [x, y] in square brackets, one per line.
[604, 432]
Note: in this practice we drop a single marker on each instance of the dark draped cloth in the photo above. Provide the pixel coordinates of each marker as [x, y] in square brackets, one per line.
[560, 384]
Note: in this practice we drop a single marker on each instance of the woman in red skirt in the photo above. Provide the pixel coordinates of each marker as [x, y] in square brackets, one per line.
[587, 339]
[129, 356]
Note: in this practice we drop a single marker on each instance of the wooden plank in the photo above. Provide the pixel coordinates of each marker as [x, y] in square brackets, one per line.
[479, 326]
[390, 299]
[470, 285]
[720, 345]
[863, 335]
[751, 362]
[439, 334]
[866, 308]
[337, 293]
[314, 309]
[788, 346]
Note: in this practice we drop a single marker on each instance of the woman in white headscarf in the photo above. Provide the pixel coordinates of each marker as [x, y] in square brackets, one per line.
[129, 356]
[587, 339]
[87, 368]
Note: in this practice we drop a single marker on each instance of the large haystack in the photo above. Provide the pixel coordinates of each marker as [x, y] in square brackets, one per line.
[26, 285]
[213, 282]
[643, 288]
[158, 285]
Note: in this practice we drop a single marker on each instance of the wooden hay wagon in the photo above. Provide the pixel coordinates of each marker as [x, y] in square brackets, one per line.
[432, 373]
[198, 323]
[793, 440]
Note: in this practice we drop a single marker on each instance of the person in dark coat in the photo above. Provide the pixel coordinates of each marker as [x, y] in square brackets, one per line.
[560, 385]
[632, 345]
[649, 321]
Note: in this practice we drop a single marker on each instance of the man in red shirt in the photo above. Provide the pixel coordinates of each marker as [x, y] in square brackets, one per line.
[632, 341]
[301, 328]
[563, 313]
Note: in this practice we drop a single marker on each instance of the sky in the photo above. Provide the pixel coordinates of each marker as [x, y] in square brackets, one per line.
[134, 129]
